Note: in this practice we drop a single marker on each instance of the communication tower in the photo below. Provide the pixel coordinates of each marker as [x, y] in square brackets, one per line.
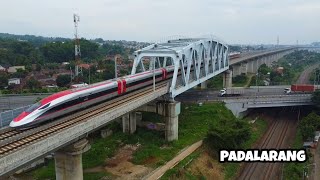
[77, 52]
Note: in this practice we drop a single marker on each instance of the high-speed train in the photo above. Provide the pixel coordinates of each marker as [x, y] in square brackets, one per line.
[64, 102]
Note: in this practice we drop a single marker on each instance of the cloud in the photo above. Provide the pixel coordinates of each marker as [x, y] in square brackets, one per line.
[242, 21]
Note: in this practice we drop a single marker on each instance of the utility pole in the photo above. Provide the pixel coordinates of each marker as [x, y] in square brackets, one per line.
[77, 53]
[154, 76]
[115, 67]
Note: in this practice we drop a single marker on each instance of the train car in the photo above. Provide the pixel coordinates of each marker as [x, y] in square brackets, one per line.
[234, 55]
[72, 100]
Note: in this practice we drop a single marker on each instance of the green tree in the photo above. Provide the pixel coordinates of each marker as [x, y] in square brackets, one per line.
[228, 134]
[264, 69]
[309, 125]
[3, 80]
[33, 84]
[316, 97]
[63, 80]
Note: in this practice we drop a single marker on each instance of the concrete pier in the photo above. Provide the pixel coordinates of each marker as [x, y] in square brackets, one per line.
[227, 79]
[68, 161]
[170, 111]
[129, 123]
[204, 85]
[171, 118]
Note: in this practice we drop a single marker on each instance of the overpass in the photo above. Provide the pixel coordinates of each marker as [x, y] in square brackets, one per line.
[194, 60]
[250, 98]
[240, 105]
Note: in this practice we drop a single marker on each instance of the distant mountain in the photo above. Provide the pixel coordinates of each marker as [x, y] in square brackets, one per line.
[35, 40]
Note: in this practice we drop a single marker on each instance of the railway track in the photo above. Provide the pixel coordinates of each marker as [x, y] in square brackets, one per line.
[251, 167]
[274, 139]
[291, 123]
[13, 140]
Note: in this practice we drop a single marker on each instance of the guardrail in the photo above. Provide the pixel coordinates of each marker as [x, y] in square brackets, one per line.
[7, 116]
[26, 94]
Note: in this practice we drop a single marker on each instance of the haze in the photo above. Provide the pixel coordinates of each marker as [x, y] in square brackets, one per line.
[241, 21]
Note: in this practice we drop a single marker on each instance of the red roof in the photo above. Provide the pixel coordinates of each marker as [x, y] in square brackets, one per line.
[86, 66]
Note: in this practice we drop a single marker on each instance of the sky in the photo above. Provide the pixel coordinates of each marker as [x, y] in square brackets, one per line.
[234, 21]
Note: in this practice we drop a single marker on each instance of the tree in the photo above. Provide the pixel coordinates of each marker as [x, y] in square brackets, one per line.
[3, 80]
[63, 80]
[264, 69]
[228, 134]
[316, 97]
[309, 125]
[33, 84]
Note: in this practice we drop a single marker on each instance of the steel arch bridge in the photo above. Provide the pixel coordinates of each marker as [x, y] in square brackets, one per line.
[195, 60]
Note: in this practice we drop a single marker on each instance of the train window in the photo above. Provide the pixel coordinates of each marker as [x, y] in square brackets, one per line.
[33, 107]
[45, 106]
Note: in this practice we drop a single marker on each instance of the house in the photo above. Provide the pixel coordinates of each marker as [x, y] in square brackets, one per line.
[84, 66]
[13, 69]
[280, 70]
[16, 81]
[3, 68]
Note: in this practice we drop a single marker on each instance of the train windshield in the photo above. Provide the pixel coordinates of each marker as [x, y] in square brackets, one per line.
[33, 107]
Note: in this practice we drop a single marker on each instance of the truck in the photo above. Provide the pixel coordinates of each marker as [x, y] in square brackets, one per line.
[229, 92]
[300, 88]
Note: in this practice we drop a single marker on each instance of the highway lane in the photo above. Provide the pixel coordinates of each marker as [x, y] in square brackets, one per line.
[252, 92]
[13, 102]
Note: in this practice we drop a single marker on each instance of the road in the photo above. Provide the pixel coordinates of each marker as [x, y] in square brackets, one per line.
[305, 75]
[209, 94]
[13, 102]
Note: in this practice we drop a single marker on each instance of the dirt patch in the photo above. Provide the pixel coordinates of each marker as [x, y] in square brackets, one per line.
[150, 160]
[121, 166]
[205, 166]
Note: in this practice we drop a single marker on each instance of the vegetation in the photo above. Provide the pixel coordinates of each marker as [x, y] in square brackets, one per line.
[315, 76]
[63, 80]
[316, 97]
[240, 80]
[293, 64]
[228, 134]
[43, 57]
[309, 125]
[181, 171]
[294, 171]
[216, 82]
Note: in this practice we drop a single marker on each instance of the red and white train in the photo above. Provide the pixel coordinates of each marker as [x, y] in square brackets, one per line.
[71, 100]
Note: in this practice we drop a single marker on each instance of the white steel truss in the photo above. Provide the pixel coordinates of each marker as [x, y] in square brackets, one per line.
[198, 60]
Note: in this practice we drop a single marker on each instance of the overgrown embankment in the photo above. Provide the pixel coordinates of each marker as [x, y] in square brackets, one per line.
[224, 133]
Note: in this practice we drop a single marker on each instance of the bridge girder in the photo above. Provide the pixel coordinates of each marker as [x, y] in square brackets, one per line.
[207, 56]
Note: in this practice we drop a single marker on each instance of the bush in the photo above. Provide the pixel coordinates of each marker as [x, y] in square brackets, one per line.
[228, 134]
[240, 79]
[309, 125]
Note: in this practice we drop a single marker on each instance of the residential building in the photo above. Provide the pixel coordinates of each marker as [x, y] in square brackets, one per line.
[16, 81]
[13, 69]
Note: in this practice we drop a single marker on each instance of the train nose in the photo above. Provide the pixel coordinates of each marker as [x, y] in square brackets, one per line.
[13, 124]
